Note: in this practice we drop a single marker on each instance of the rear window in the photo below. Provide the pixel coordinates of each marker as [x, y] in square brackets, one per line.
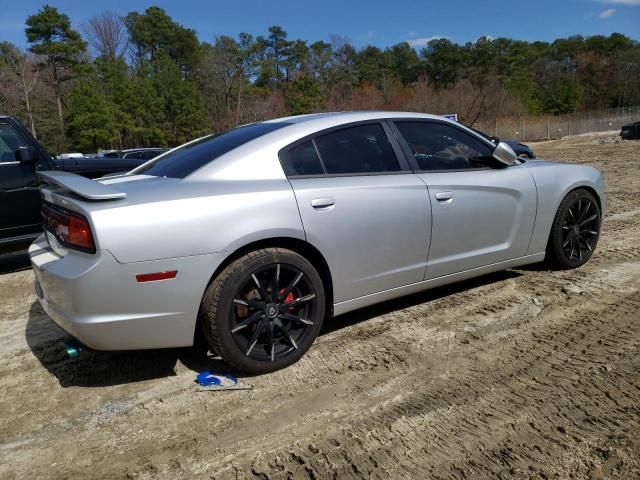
[188, 158]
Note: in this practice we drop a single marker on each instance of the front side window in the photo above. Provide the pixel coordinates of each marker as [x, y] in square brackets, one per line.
[357, 150]
[436, 146]
[9, 143]
[188, 158]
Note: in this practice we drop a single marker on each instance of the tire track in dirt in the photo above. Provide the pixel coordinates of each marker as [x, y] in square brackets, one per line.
[525, 399]
[520, 374]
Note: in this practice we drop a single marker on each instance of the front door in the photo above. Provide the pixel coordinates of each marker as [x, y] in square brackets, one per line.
[19, 194]
[483, 213]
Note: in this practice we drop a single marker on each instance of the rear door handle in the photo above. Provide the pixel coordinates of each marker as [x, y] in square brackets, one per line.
[444, 196]
[324, 202]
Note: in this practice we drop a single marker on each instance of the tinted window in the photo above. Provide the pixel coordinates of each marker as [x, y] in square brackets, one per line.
[9, 143]
[188, 158]
[302, 160]
[437, 146]
[151, 154]
[364, 149]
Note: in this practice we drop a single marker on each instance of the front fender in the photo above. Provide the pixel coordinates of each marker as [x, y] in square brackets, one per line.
[553, 182]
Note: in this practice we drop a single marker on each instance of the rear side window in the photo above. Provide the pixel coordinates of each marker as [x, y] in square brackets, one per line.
[188, 158]
[354, 150]
[302, 160]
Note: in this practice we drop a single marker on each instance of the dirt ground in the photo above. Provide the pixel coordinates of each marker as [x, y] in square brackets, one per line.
[528, 373]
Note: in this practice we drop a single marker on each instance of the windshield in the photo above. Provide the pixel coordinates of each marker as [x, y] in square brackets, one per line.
[188, 158]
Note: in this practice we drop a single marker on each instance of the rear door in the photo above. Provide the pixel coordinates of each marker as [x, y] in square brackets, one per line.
[483, 213]
[362, 207]
[19, 194]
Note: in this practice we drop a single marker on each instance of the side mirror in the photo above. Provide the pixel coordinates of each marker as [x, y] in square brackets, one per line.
[27, 155]
[504, 154]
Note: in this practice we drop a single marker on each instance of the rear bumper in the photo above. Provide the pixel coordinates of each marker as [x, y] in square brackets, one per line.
[98, 300]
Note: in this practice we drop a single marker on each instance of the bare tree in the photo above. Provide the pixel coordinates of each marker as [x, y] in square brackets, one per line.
[25, 70]
[107, 35]
[29, 72]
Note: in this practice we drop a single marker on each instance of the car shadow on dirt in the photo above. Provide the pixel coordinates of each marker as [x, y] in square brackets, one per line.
[389, 306]
[99, 369]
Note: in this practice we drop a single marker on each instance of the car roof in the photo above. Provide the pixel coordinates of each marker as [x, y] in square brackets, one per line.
[248, 160]
[353, 116]
[302, 125]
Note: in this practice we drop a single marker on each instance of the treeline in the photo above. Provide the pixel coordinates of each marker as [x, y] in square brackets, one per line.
[145, 80]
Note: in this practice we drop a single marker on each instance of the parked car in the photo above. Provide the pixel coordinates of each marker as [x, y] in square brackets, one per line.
[134, 153]
[630, 131]
[521, 150]
[255, 235]
[21, 156]
[66, 156]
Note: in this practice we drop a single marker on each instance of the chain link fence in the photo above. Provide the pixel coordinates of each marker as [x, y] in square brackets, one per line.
[529, 128]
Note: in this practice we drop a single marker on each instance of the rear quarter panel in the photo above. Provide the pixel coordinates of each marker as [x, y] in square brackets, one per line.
[167, 218]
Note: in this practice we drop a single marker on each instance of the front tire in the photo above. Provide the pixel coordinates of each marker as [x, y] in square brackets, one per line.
[575, 230]
[264, 310]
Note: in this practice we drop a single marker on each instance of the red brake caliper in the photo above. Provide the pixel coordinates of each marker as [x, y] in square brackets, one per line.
[289, 298]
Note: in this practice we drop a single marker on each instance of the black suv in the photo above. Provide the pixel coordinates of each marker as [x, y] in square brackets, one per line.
[630, 131]
[20, 157]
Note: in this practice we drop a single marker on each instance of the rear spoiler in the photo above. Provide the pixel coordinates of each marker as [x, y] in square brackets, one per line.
[86, 188]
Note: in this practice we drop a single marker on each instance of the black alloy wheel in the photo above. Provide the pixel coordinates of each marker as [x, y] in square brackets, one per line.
[576, 230]
[272, 312]
[580, 229]
[264, 310]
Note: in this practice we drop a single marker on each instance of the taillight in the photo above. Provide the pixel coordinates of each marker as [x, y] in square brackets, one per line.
[71, 229]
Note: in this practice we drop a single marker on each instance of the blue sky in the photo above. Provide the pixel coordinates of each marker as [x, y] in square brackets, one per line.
[364, 22]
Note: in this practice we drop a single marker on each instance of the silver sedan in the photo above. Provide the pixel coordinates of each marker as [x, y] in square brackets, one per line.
[252, 237]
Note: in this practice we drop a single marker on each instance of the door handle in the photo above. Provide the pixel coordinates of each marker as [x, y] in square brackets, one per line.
[444, 196]
[324, 202]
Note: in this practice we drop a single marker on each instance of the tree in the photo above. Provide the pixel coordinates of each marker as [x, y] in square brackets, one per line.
[403, 61]
[107, 35]
[154, 32]
[91, 117]
[50, 34]
[26, 71]
[278, 50]
[344, 72]
[320, 55]
[183, 106]
[304, 96]
[370, 63]
[443, 61]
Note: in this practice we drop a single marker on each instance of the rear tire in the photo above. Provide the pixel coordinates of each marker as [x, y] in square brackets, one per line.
[264, 310]
[575, 230]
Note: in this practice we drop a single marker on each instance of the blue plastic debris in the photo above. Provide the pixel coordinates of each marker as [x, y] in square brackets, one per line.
[72, 347]
[220, 381]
